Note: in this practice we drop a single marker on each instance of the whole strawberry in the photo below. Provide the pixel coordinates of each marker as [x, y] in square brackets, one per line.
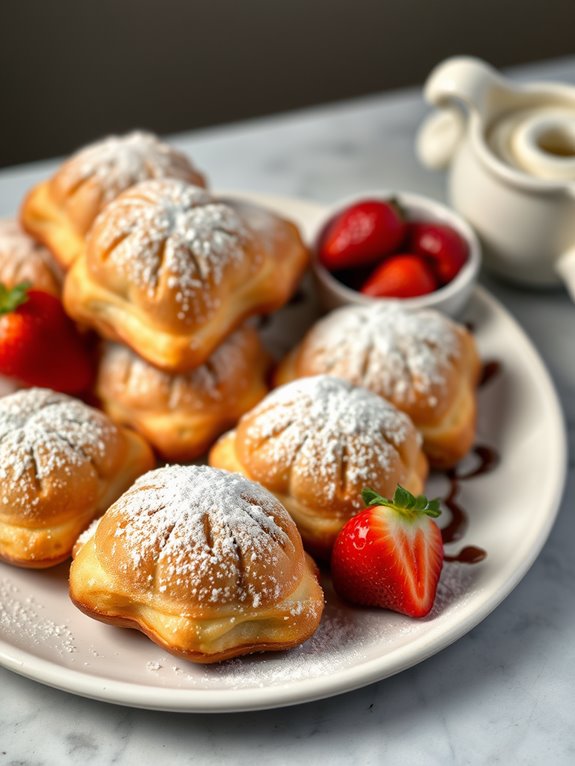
[39, 344]
[391, 554]
[444, 248]
[361, 234]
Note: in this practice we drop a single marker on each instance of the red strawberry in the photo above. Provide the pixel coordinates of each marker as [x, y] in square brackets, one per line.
[361, 234]
[445, 248]
[391, 554]
[401, 276]
[39, 344]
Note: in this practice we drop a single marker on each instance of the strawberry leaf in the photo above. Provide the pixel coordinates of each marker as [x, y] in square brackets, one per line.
[402, 498]
[371, 497]
[12, 297]
[403, 501]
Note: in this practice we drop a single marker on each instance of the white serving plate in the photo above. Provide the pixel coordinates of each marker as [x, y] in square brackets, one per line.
[511, 511]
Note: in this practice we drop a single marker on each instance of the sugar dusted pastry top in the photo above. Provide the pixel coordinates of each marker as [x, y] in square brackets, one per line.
[321, 440]
[409, 357]
[22, 259]
[205, 538]
[125, 377]
[168, 246]
[56, 444]
[109, 166]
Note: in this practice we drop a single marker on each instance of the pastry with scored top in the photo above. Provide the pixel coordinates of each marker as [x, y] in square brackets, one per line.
[421, 361]
[62, 464]
[60, 211]
[182, 415]
[207, 564]
[171, 271]
[22, 259]
[316, 443]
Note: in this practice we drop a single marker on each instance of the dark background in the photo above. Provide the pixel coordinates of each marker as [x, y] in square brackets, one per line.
[74, 70]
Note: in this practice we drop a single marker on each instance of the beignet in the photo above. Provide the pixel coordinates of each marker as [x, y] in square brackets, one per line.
[181, 415]
[60, 211]
[205, 563]
[423, 362]
[61, 465]
[316, 443]
[22, 259]
[171, 271]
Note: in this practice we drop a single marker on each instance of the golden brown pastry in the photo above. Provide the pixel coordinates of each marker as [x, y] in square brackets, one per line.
[60, 211]
[170, 271]
[22, 259]
[181, 415]
[316, 443]
[423, 362]
[207, 564]
[61, 465]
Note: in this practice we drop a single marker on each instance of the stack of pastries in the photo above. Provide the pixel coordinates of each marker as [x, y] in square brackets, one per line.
[168, 274]
[209, 562]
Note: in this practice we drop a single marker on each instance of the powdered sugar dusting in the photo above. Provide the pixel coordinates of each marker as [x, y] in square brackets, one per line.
[345, 636]
[139, 378]
[211, 533]
[325, 427]
[396, 353]
[21, 619]
[44, 435]
[168, 232]
[339, 639]
[22, 259]
[87, 534]
[15, 241]
[119, 162]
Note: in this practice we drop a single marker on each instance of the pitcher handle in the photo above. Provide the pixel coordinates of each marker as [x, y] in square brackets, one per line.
[470, 81]
[439, 136]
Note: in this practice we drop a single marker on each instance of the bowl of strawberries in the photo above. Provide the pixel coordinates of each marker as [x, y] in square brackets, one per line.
[395, 246]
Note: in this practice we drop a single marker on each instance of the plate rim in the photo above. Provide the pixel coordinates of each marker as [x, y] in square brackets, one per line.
[348, 679]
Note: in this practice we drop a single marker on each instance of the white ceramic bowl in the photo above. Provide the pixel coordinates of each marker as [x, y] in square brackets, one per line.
[450, 299]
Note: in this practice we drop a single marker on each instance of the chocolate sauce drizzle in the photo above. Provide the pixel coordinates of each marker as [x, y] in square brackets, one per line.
[455, 530]
[458, 523]
[491, 369]
[488, 461]
[471, 554]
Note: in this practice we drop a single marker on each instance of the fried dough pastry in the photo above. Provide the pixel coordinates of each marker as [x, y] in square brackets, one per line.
[62, 464]
[171, 271]
[181, 415]
[421, 361]
[22, 259]
[207, 564]
[316, 443]
[60, 211]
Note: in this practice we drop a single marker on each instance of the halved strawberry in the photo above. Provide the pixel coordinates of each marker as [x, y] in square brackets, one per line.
[391, 554]
[361, 234]
[401, 276]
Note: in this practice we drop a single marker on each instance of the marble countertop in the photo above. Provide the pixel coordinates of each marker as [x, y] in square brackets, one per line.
[503, 693]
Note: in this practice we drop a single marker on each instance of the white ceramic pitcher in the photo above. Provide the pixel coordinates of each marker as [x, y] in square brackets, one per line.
[510, 150]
